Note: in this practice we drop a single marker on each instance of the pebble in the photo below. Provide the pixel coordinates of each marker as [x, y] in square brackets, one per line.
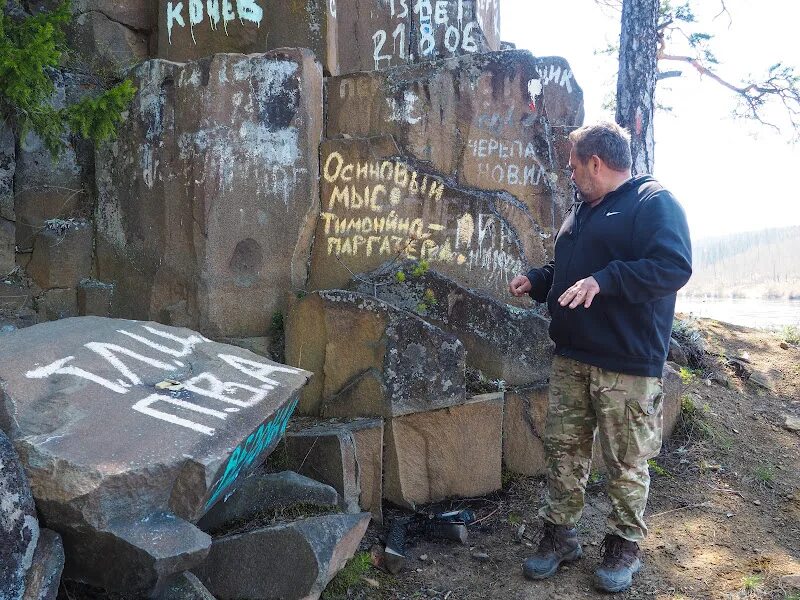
[480, 556]
[423, 557]
[784, 345]
[757, 502]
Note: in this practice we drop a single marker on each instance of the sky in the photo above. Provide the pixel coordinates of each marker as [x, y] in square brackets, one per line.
[729, 175]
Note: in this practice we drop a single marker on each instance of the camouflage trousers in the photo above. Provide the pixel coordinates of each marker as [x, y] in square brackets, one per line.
[625, 411]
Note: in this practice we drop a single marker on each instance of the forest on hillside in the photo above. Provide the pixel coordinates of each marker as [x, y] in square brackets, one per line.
[757, 264]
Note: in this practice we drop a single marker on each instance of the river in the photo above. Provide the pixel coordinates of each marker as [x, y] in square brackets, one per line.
[766, 314]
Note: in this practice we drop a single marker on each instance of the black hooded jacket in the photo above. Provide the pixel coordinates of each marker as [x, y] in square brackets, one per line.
[635, 243]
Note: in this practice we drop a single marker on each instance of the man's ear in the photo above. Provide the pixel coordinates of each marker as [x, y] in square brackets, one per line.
[595, 163]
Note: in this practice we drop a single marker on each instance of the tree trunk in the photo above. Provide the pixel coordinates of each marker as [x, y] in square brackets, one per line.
[636, 83]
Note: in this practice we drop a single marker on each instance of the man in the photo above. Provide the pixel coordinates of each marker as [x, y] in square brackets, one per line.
[620, 257]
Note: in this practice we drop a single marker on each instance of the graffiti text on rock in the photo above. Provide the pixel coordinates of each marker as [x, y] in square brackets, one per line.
[221, 397]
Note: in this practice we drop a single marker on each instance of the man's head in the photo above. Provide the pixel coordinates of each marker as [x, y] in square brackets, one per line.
[600, 159]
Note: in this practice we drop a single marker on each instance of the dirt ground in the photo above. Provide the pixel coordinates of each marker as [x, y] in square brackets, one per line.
[724, 509]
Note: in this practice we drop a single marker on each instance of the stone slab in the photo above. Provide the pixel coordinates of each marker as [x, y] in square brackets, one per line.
[137, 558]
[19, 526]
[524, 421]
[60, 303]
[13, 297]
[44, 577]
[371, 359]
[62, 254]
[357, 35]
[94, 298]
[267, 491]
[368, 437]
[207, 195]
[305, 555]
[347, 455]
[503, 341]
[379, 205]
[494, 121]
[452, 452]
[90, 402]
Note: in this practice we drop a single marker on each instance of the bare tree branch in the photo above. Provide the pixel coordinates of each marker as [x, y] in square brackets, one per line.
[724, 11]
[781, 84]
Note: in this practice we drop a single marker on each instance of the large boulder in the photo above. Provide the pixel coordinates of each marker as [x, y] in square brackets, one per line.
[357, 35]
[371, 359]
[502, 341]
[379, 206]
[494, 121]
[19, 527]
[303, 557]
[207, 196]
[89, 404]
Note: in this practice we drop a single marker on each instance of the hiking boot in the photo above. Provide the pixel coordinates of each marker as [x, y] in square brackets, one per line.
[620, 561]
[559, 544]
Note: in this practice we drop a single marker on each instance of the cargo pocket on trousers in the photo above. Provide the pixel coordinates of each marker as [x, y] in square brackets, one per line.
[644, 419]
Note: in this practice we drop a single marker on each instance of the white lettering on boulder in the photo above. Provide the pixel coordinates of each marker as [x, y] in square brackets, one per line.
[181, 396]
[217, 10]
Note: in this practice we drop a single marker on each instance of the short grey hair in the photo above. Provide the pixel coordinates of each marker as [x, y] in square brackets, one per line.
[610, 142]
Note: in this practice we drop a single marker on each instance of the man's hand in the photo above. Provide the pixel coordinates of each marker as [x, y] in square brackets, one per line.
[519, 286]
[583, 292]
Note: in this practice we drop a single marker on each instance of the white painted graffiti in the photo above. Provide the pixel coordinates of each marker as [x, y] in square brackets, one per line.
[404, 110]
[556, 74]
[227, 396]
[487, 245]
[535, 89]
[434, 17]
[371, 209]
[507, 162]
[216, 10]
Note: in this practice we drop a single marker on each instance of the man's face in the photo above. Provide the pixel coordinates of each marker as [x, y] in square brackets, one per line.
[582, 177]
